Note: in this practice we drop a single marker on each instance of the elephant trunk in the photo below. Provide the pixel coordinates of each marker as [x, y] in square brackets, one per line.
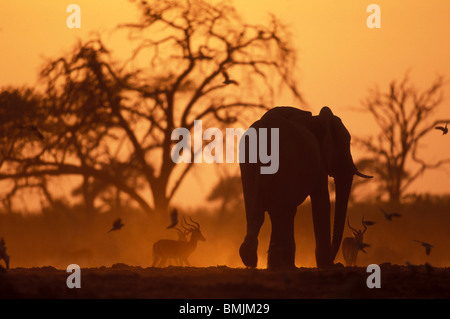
[343, 187]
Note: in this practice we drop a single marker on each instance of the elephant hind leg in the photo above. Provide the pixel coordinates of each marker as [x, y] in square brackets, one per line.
[282, 242]
[248, 249]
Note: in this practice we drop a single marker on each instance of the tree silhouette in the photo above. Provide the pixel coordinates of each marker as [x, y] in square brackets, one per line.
[111, 122]
[404, 115]
[20, 111]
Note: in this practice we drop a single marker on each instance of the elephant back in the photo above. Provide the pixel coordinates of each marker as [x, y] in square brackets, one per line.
[287, 112]
[299, 159]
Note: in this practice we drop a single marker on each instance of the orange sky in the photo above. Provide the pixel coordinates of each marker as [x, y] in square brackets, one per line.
[339, 57]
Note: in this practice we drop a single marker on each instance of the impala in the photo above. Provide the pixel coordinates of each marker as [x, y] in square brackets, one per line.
[352, 245]
[182, 234]
[181, 250]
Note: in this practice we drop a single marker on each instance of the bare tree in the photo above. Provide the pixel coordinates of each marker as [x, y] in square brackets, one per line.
[17, 106]
[112, 121]
[20, 110]
[404, 115]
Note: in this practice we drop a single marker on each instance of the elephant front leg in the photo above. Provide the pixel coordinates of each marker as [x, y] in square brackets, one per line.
[320, 202]
[281, 253]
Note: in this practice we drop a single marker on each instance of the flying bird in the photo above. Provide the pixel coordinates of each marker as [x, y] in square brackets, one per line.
[361, 246]
[426, 245]
[368, 222]
[117, 225]
[173, 218]
[227, 79]
[389, 216]
[443, 129]
[34, 130]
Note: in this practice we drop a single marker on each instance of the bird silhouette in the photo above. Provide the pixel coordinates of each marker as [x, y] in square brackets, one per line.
[389, 216]
[117, 225]
[227, 79]
[173, 218]
[368, 222]
[426, 245]
[34, 130]
[443, 129]
[361, 246]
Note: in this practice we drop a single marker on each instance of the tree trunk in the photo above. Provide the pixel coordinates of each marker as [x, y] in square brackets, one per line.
[88, 196]
[161, 201]
[394, 191]
[394, 196]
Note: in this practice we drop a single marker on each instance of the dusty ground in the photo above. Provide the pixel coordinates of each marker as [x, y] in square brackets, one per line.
[122, 281]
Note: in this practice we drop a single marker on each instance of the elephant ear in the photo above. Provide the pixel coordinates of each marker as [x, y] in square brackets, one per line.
[327, 148]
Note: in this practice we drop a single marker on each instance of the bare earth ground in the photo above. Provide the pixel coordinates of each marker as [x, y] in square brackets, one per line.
[122, 281]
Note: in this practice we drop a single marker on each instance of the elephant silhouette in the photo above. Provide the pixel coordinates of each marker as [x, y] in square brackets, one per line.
[310, 149]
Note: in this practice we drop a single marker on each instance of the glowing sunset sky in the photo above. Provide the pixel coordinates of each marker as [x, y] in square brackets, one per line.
[339, 57]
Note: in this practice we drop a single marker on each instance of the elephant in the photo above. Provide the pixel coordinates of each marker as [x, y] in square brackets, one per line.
[311, 148]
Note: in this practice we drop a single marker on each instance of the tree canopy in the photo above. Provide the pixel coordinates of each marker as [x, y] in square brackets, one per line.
[110, 121]
[404, 115]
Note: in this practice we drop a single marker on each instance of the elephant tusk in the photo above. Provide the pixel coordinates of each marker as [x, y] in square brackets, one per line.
[362, 175]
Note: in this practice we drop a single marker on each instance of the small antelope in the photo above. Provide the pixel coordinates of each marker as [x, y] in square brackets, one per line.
[182, 234]
[3, 254]
[352, 245]
[166, 248]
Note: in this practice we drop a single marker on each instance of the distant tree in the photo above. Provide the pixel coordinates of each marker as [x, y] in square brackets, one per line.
[111, 122]
[404, 115]
[17, 106]
[20, 111]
